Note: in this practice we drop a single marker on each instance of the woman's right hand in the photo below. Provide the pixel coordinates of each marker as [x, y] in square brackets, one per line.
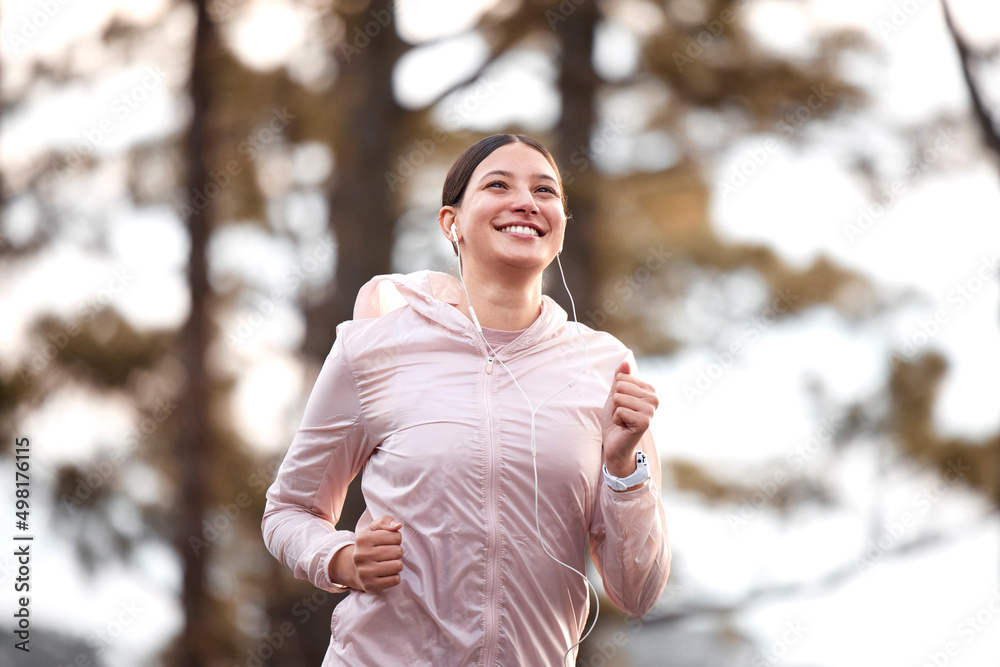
[373, 563]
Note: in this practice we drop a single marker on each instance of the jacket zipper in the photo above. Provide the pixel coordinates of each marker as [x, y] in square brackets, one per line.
[492, 558]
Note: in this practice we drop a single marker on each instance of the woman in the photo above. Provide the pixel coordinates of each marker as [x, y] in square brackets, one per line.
[436, 391]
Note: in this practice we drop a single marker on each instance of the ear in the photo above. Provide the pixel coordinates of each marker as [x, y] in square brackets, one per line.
[446, 218]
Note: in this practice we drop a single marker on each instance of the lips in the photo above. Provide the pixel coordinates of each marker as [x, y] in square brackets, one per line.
[521, 228]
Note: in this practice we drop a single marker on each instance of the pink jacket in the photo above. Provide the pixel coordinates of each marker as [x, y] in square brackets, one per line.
[407, 395]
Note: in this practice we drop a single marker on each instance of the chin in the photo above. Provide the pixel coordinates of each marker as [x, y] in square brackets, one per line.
[536, 264]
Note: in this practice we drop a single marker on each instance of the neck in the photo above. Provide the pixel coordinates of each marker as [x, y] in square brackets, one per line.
[508, 305]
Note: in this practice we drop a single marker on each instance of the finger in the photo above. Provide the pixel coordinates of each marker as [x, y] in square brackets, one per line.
[632, 419]
[378, 538]
[631, 378]
[377, 575]
[381, 583]
[374, 570]
[637, 403]
[385, 523]
[386, 553]
[623, 367]
[635, 387]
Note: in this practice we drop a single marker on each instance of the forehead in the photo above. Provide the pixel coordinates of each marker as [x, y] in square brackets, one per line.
[518, 158]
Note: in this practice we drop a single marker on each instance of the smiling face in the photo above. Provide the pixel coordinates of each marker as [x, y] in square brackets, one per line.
[511, 217]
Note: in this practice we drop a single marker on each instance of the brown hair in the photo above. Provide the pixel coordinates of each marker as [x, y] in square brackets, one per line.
[461, 171]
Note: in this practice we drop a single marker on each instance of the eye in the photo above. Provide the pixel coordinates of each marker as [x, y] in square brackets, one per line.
[490, 185]
[546, 187]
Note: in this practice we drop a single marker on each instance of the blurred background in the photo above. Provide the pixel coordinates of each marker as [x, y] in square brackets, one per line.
[790, 210]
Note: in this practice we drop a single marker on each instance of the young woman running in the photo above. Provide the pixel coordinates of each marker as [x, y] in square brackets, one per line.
[498, 443]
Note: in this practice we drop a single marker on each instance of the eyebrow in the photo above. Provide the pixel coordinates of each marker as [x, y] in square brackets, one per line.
[501, 172]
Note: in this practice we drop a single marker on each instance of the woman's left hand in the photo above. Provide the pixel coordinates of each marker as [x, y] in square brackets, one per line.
[627, 414]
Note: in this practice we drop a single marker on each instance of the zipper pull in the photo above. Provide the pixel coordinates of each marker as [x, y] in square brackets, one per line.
[489, 366]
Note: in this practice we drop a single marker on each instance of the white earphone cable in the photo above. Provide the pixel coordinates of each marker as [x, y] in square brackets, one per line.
[533, 411]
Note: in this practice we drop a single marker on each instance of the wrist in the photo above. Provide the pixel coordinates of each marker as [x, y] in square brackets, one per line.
[621, 467]
[342, 571]
[626, 477]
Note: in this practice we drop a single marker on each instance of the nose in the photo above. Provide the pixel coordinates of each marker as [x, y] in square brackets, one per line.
[524, 201]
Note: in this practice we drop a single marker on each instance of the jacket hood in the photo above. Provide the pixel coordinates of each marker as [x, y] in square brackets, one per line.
[434, 295]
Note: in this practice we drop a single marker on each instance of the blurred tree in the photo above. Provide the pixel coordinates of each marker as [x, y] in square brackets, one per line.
[987, 123]
[695, 65]
[198, 643]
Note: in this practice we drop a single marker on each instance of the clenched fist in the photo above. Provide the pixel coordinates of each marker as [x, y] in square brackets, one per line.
[627, 414]
[373, 563]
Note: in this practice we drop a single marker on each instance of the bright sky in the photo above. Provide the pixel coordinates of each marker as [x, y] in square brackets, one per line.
[939, 239]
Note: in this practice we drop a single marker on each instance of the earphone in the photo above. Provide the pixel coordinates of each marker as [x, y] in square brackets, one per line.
[472, 311]
[533, 411]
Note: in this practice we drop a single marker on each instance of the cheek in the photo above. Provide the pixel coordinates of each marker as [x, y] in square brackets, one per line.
[560, 228]
[483, 212]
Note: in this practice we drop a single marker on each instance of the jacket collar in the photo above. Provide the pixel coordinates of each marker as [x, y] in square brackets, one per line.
[434, 295]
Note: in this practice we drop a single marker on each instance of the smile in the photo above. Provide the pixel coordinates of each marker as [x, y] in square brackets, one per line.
[519, 229]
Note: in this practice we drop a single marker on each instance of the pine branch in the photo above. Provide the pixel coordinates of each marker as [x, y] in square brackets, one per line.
[965, 53]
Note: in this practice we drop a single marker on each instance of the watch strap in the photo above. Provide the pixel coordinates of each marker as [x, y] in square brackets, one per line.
[640, 475]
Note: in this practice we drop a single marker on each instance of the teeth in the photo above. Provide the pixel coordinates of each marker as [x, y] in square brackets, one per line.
[518, 229]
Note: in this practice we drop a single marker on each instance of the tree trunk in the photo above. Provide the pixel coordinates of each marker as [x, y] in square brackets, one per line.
[991, 138]
[195, 446]
[362, 207]
[577, 85]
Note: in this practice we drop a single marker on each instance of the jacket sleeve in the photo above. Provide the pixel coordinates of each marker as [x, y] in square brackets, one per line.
[307, 496]
[628, 541]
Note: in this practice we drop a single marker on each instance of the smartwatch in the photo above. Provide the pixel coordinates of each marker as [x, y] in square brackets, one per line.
[640, 475]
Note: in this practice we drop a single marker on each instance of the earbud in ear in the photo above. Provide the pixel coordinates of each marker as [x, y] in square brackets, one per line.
[454, 232]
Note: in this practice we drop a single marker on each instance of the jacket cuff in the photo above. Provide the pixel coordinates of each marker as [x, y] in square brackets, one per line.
[625, 496]
[323, 574]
